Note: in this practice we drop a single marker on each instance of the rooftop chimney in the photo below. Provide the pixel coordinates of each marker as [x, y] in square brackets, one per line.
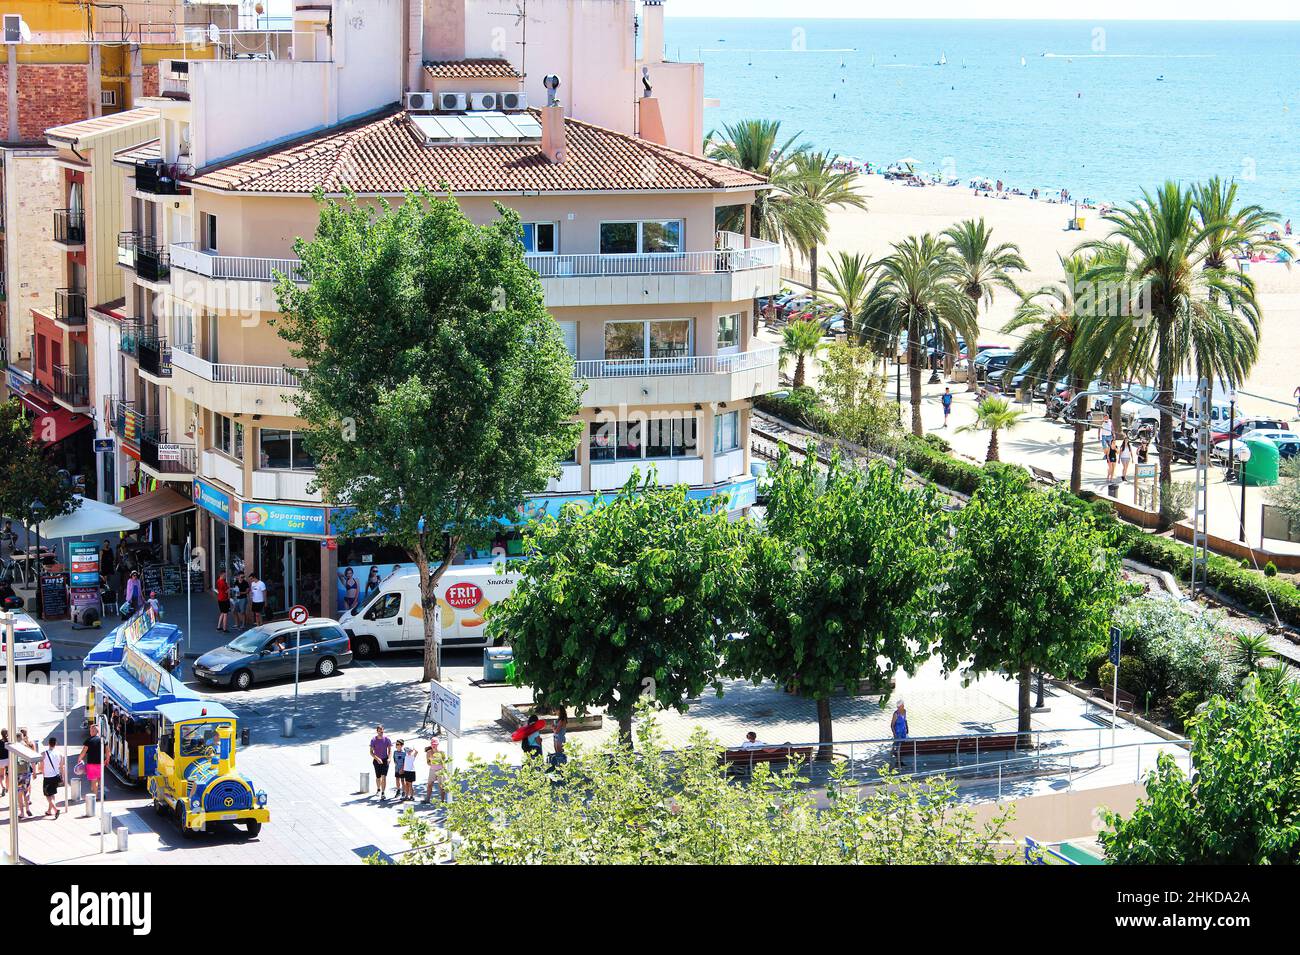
[652, 36]
[444, 29]
[553, 144]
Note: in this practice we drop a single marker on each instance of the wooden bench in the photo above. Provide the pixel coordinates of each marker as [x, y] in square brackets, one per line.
[747, 759]
[1126, 699]
[1046, 477]
[957, 745]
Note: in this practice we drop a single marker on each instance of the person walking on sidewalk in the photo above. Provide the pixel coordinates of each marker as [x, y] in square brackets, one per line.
[53, 775]
[898, 730]
[381, 747]
[134, 596]
[223, 604]
[409, 759]
[947, 406]
[437, 763]
[92, 757]
[257, 596]
[399, 767]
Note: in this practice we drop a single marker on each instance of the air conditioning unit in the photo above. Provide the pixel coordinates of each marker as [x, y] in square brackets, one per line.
[16, 31]
[419, 102]
[484, 101]
[451, 102]
[512, 101]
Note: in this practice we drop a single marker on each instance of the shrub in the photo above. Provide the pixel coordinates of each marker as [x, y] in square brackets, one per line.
[1270, 569]
[937, 442]
[1184, 708]
[1179, 651]
[1106, 674]
[1132, 675]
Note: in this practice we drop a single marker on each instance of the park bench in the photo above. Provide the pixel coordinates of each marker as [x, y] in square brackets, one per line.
[1126, 699]
[1044, 476]
[960, 745]
[746, 759]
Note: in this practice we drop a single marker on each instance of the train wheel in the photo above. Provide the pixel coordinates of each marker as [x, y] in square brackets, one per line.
[179, 815]
[252, 827]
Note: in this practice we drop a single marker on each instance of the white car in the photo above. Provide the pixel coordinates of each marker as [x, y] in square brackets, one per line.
[1270, 434]
[32, 650]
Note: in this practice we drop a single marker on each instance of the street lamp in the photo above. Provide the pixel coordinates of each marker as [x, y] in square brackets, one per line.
[1243, 455]
[37, 510]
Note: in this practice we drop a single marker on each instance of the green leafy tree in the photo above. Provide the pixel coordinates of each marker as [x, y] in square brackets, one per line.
[27, 474]
[800, 341]
[842, 581]
[610, 806]
[437, 391]
[628, 600]
[825, 187]
[983, 267]
[853, 393]
[993, 414]
[916, 292]
[847, 280]
[1242, 805]
[1033, 584]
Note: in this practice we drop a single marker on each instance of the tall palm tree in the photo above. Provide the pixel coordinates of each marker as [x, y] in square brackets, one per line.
[1051, 345]
[800, 340]
[984, 268]
[1234, 228]
[993, 414]
[820, 183]
[847, 279]
[916, 292]
[1183, 312]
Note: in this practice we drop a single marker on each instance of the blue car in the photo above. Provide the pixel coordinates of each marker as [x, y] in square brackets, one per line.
[266, 653]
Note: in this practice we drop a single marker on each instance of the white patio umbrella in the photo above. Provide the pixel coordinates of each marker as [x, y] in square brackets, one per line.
[91, 519]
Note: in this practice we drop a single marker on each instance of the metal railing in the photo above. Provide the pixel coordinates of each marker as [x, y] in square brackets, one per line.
[167, 457]
[69, 387]
[237, 267]
[126, 248]
[273, 375]
[684, 365]
[69, 226]
[155, 356]
[128, 342]
[655, 263]
[157, 178]
[70, 306]
[151, 263]
[129, 424]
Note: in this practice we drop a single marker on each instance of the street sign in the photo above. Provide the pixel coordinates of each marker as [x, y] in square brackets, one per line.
[444, 707]
[103, 445]
[1115, 645]
[298, 614]
[63, 697]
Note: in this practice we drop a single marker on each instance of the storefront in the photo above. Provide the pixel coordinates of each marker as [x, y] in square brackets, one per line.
[66, 434]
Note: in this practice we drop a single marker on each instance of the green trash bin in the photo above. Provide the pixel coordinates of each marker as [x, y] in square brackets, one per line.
[496, 662]
[1262, 468]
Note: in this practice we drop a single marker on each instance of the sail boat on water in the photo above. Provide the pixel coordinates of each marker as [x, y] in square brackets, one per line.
[1022, 62]
[943, 59]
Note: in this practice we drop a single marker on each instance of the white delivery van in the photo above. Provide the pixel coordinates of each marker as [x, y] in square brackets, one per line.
[393, 619]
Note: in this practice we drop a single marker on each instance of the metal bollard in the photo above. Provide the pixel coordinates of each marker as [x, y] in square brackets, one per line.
[106, 822]
[121, 838]
[90, 801]
[288, 726]
[74, 789]
[365, 783]
[324, 753]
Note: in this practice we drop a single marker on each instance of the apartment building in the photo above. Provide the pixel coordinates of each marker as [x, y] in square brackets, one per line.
[654, 303]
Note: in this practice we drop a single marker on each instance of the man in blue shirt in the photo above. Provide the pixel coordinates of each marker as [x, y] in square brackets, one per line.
[947, 406]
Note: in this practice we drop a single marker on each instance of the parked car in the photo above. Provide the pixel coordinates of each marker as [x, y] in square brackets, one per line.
[991, 360]
[1244, 425]
[32, 650]
[269, 652]
[1271, 434]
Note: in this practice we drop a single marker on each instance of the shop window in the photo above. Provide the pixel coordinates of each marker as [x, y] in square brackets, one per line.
[671, 438]
[284, 451]
[601, 440]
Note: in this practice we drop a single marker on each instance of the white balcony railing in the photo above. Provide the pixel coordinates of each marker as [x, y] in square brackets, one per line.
[730, 256]
[274, 375]
[239, 267]
[686, 365]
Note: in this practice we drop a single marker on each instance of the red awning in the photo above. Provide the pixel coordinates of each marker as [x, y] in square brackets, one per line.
[57, 424]
[34, 403]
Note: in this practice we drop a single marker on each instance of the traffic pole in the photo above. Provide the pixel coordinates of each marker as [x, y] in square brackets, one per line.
[7, 624]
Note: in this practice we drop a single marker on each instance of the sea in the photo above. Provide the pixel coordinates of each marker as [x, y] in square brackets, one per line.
[1103, 109]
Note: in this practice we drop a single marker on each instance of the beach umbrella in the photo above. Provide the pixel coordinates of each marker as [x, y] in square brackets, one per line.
[90, 519]
[909, 161]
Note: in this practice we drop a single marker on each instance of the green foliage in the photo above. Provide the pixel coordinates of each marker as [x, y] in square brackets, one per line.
[994, 414]
[608, 806]
[938, 442]
[28, 474]
[1179, 650]
[853, 395]
[1029, 588]
[799, 406]
[1270, 569]
[1242, 806]
[1184, 707]
[437, 392]
[629, 599]
[1132, 675]
[800, 340]
[1106, 673]
[841, 581]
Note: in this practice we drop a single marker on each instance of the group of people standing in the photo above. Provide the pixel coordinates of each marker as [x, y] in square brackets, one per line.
[1117, 450]
[242, 596]
[403, 759]
[53, 768]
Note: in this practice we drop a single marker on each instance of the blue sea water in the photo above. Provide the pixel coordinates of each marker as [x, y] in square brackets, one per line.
[1103, 109]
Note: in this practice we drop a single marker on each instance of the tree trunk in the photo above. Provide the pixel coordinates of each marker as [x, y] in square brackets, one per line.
[1080, 430]
[971, 348]
[825, 731]
[1165, 400]
[429, 604]
[1026, 686]
[812, 267]
[625, 729]
[914, 379]
[992, 454]
[798, 370]
[1117, 416]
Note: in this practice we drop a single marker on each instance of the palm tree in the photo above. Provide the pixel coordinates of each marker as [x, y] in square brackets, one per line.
[820, 183]
[782, 214]
[1179, 305]
[916, 292]
[984, 268]
[1233, 229]
[1050, 347]
[993, 414]
[1250, 651]
[799, 340]
[848, 278]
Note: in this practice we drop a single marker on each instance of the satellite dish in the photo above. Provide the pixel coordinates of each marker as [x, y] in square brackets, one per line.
[214, 34]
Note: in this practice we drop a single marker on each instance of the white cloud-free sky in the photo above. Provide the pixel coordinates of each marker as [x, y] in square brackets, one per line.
[986, 9]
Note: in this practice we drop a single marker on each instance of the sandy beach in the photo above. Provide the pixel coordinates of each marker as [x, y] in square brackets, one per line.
[1038, 228]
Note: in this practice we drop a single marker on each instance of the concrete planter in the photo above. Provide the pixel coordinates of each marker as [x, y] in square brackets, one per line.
[515, 715]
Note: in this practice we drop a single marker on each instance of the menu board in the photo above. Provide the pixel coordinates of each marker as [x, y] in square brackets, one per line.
[54, 596]
[83, 579]
[151, 578]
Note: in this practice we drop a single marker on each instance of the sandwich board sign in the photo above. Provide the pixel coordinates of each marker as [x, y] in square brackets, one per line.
[444, 707]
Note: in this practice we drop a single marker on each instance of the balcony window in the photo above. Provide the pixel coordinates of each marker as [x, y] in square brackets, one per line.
[728, 333]
[285, 451]
[540, 238]
[671, 438]
[726, 432]
[570, 332]
[229, 437]
[638, 341]
[630, 238]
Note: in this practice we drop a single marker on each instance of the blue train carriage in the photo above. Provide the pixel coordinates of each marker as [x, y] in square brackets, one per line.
[144, 633]
[195, 780]
[125, 700]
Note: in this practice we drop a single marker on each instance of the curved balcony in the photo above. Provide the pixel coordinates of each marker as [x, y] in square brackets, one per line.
[687, 379]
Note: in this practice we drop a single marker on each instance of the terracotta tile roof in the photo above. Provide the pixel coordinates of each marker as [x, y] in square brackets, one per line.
[471, 69]
[139, 152]
[386, 154]
[98, 125]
